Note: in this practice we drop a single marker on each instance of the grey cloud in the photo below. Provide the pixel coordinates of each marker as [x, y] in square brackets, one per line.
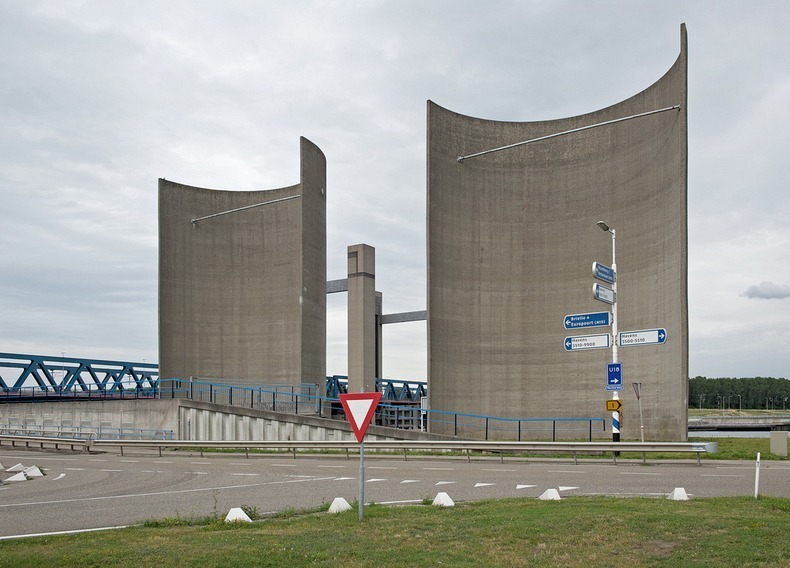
[768, 291]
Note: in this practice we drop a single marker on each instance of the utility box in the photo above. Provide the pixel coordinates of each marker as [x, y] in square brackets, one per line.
[779, 443]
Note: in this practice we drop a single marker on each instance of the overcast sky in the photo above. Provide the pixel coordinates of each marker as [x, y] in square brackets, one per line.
[99, 99]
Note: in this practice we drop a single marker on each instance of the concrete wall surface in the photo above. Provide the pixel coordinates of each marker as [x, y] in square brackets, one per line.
[242, 296]
[189, 420]
[511, 239]
[111, 417]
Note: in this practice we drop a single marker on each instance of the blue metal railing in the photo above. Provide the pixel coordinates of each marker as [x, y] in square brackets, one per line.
[303, 399]
[34, 377]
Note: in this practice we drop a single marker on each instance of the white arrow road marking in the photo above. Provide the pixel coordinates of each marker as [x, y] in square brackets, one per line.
[61, 476]
[445, 483]
[484, 484]
[410, 481]
[565, 488]
[525, 486]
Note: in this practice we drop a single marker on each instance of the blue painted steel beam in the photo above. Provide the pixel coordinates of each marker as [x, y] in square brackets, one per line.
[69, 374]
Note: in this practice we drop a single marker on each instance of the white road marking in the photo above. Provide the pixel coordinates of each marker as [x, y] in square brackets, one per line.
[98, 460]
[483, 485]
[111, 470]
[332, 466]
[61, 476]
[439, 468]
[720, 475]
[565, 488]
[193, 463]
[197, 472]
[75, 468]
[410, 481]
[374, 480]
[565, 471]
[639, 473]
[400, 502]
[162, 461]
[282, 465]
[445, 482]
[247, 474]
[380, 467]
[344, 478]
[159, 493]
[62, 532]
[525, 486]
[502, 470]
[129, 461]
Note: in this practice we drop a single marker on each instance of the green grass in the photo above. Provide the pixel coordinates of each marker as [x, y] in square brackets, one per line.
[575, 532]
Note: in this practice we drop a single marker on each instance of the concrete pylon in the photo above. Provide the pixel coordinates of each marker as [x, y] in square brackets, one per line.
[339, 505]
[364, 362]
[237, 515]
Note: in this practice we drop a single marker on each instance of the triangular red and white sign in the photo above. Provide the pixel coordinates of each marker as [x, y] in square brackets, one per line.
[359, 408]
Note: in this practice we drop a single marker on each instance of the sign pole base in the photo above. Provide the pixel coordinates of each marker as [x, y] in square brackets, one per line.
[361, 480]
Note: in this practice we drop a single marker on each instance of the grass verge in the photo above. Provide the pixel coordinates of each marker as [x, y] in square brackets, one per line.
[574, 532]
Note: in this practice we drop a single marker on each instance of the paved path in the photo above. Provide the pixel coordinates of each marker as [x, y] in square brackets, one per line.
[83, 491]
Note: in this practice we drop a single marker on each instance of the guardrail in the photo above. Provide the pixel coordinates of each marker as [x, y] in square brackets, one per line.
[467, 446]
[41, 441]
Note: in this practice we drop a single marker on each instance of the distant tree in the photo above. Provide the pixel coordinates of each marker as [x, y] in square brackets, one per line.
[751, 393]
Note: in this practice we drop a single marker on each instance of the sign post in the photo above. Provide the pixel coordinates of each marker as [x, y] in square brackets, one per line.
[359, 409]
[609, 296]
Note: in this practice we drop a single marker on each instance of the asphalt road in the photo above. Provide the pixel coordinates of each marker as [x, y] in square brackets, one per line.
[85, 491]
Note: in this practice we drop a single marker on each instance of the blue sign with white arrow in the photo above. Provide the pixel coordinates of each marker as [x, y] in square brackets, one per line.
[597, 319]
[603, 272]
[642, 337]
[614, 376]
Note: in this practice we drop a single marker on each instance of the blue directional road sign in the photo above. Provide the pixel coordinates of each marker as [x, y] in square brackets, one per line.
[577, 321]
[643, 337]
[614, 376]
[603, 272]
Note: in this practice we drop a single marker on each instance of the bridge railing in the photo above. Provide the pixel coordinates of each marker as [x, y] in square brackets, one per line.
[302, 399]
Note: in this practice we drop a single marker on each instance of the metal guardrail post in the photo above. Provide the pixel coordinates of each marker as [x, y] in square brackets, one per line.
[553, 430]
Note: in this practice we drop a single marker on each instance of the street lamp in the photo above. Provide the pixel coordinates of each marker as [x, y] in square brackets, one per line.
[615, 414]
[739, 404]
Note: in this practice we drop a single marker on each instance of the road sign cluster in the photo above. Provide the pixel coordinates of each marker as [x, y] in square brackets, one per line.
[607, 274]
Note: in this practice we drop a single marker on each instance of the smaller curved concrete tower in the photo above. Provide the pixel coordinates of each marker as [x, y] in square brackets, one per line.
[511, 240]
[242, 296]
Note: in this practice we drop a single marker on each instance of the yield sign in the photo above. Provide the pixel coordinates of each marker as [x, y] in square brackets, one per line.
[359, 408]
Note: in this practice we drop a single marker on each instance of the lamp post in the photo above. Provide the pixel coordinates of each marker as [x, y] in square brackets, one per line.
[615, 414]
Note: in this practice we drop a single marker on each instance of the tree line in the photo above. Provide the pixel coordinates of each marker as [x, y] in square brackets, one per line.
[754, 393]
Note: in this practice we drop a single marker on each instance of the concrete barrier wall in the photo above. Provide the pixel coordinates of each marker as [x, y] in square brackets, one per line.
[112, 417]
[189, 420]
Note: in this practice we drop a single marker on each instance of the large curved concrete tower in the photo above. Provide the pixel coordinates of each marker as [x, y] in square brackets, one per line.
[242, 296]
[511, 239]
